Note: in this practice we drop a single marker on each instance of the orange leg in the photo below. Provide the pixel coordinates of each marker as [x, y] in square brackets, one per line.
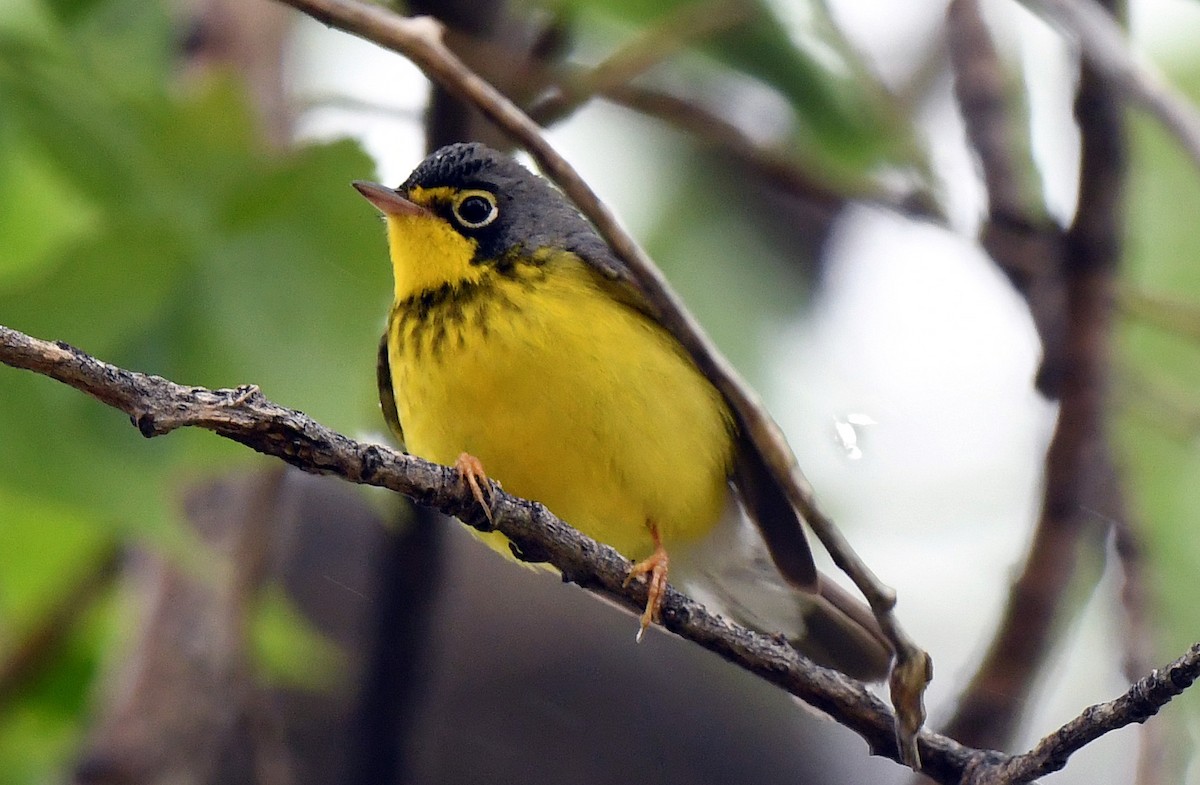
[470, 469]
[656, 565]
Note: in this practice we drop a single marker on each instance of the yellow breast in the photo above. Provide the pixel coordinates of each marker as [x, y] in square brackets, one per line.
[567, 397]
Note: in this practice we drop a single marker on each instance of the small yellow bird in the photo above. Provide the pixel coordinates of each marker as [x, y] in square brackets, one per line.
[520, 345]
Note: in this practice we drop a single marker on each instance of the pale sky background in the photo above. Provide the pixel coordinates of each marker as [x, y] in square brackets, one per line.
[914, 330]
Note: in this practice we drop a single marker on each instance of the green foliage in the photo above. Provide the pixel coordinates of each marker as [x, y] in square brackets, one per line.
[288, 651]
[148, 226]
[1159, 373]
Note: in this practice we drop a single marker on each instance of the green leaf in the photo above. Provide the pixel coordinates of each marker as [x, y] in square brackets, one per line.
[149, 226]
[289, 650]
[1158, 383]
[41, 214]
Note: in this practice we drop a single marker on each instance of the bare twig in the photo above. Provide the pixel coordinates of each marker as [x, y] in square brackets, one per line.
[1138, 639]
[420, 41]
[1106, 48]
[1139, 703]
[349, 103]
[1172, 409]
[775, 166]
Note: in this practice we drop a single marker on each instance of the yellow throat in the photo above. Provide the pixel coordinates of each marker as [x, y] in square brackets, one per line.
[427, 252]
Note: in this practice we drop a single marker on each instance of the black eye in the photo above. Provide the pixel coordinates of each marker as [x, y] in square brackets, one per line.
[475, 209]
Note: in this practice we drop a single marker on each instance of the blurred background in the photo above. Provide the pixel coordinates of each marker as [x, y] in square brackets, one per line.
[973, 311]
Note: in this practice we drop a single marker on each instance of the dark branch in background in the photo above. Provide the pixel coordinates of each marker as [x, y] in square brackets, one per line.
[497, 43]
[1016, 233]
[35, 650]
[420, 41]
[157, 406]
[775, 166]
[666, 37]
[1059, 273]
[979, 86]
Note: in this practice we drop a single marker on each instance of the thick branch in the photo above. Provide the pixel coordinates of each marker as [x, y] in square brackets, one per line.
[157, 406]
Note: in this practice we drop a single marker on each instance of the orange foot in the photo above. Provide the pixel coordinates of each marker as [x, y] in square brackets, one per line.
[470, 469]
[656, 565]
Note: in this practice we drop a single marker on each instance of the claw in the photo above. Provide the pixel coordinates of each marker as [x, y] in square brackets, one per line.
[656, 566]
[470, 469]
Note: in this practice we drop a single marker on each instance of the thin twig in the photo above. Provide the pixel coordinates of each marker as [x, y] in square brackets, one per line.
[1139, 703]
[1139, 635]
[776, 166]
[1163, 311]
[349, 103]
[1106, 48]
[420, 41]
[1160, 401]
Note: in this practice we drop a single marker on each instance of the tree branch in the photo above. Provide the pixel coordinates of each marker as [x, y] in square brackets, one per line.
[1017, 234]
[157, 406]
[979, 87]
[420, 41]
[1139, 703]
[773, 164]
[1070, 295]
[669, 35]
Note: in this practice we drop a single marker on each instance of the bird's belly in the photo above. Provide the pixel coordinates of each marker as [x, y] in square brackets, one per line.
[578, 402]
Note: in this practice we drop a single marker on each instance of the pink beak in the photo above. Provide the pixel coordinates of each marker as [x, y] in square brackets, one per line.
[387, 200]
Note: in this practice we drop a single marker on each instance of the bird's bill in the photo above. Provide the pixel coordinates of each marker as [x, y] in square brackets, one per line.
[387, 200]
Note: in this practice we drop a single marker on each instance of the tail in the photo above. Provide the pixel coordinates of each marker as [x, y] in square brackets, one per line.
[732, 573]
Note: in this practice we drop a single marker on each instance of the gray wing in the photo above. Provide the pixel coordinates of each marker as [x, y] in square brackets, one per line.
[774, 516]
[387, 398]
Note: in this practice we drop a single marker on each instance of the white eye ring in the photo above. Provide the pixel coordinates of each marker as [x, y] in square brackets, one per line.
[475, 209]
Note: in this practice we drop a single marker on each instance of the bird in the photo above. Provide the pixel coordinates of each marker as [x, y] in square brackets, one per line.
[519, 348]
